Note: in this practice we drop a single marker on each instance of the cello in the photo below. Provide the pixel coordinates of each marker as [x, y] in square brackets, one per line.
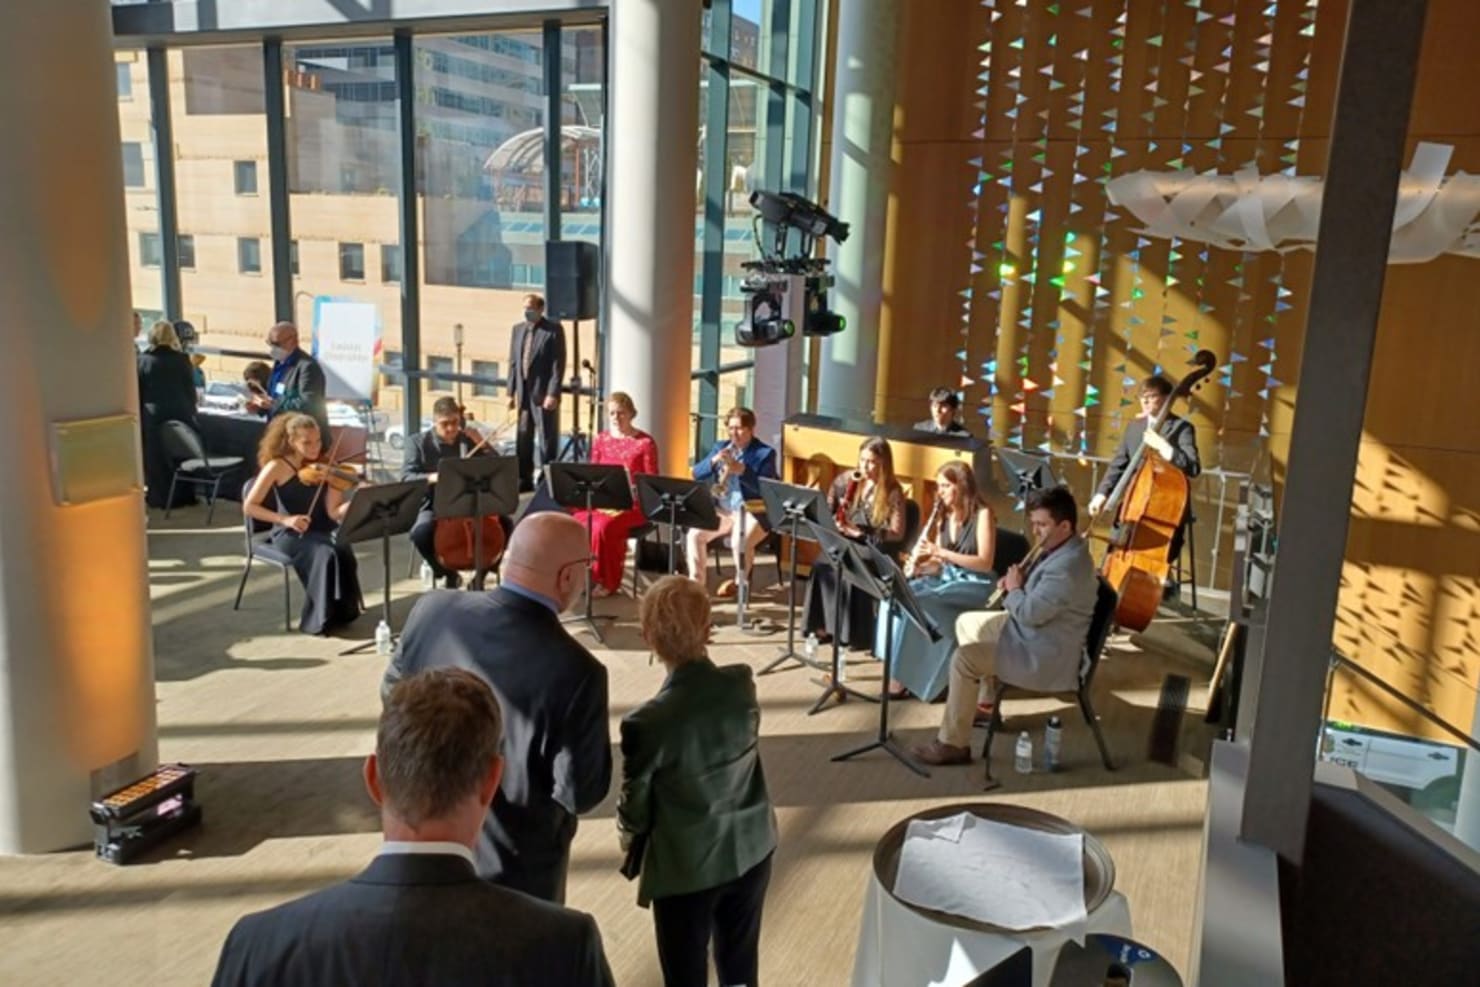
[467, 543]
[1153, 496]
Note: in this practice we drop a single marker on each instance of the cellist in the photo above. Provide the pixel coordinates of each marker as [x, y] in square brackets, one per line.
[448, 438]
[1176, 442]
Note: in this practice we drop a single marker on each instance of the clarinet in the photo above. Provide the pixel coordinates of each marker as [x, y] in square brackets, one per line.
[913, 562]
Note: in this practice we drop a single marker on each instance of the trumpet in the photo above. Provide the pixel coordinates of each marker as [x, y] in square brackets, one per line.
[995, 600]
[850, 494]
[912, 563]
[720, 489]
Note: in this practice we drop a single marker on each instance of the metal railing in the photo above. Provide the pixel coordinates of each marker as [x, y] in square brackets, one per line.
[1338, 660]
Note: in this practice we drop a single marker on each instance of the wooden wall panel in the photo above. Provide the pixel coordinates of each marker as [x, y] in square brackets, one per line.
[1008, 271]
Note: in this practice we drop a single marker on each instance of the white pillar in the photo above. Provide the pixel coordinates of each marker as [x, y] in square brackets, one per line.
[652, 165]
[76, 659]
[862, 135]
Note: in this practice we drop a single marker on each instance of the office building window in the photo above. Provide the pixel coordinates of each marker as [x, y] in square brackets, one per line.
[186, 247]
[392, 359]
[133, 164]
[246, 177]
[390, 263]
[351, 262]
[125, 80]
[149, 249]
[439, 365]
[485, 368]
[293, 258]
[249, 255]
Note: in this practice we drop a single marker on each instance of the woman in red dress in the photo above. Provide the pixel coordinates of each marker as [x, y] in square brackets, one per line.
[619, 445]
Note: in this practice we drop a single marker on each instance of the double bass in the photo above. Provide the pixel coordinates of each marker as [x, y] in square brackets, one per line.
[466, 543]
[1153, 496]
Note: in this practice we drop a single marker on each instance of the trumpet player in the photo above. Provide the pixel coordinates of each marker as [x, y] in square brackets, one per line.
[735, 467]
[868, 504]
[1035, 641]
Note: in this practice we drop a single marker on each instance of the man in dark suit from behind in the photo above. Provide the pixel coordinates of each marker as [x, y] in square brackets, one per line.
[536, 368]
[553, 693]
[419, 914]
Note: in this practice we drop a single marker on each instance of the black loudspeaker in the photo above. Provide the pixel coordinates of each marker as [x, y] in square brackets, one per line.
[571, 279]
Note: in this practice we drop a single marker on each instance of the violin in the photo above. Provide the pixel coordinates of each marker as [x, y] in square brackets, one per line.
[1155, 496]
[341, 478]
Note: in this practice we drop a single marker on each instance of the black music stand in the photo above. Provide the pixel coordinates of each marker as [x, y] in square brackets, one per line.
[476, 487]
[1026, 472]
[679, 503]
[790, 506]
[842, 553]
[879, 576]
[379, 512]
[591, 487]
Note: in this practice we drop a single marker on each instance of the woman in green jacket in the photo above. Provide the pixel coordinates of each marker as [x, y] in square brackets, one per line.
[694, 813]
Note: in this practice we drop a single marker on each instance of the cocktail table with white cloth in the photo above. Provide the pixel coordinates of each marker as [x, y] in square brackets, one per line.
[958, 888]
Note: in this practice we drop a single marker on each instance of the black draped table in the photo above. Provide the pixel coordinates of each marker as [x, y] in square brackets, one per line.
[232, 435]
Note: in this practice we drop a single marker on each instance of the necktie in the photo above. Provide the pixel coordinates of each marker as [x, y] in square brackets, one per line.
[528, 347]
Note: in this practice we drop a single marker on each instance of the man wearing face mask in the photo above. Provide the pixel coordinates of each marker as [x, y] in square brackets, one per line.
[296, 382]
[536, 368]
[558, 760]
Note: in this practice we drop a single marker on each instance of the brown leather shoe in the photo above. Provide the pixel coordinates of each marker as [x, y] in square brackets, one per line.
[936, 752]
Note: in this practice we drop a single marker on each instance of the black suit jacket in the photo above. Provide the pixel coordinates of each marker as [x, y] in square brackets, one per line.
[546, 365]
[426, 451]
[303, 389]
[413, 920]
[166, 386]
[1178, 431]
[557, 747]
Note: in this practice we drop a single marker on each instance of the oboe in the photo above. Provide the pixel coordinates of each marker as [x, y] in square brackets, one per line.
[912, 563]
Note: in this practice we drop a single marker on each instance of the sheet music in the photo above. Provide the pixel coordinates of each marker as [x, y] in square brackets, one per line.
[1005, 875]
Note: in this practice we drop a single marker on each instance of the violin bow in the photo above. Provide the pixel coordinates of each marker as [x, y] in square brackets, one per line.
[330, 465]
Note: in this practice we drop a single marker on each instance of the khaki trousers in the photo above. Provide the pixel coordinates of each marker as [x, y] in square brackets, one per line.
[977, 632]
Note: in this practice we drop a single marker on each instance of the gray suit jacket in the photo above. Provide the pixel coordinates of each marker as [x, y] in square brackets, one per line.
[557, 748]
[414, 919]
[1042, 642]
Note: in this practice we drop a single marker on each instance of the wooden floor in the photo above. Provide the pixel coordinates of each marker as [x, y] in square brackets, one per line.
[278, 725]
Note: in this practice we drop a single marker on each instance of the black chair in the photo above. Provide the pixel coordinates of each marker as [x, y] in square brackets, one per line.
[1099, 630]
[1189, 552]
[1010, 548]
[192, 464]
[636, 536]
[259, 547]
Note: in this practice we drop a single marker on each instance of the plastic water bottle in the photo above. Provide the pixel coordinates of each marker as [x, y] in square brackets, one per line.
[383, 639]
[809, 647]
[1023, 756]
[427, 579]
[1053, 738]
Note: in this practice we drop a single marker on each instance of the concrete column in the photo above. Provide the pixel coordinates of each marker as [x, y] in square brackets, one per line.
[652, 163]
[1467, 814]
[76, 659]
[863, 132]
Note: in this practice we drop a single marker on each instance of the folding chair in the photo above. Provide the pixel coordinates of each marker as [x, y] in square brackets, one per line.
[260, 547]
[187, 453]
[1099, 631]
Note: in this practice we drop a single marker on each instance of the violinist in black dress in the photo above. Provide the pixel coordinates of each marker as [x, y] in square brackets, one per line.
[305, 512]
